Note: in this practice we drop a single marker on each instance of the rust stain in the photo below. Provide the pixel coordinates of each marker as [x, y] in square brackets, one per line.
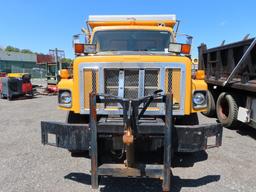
[128, 138]
[94, 165]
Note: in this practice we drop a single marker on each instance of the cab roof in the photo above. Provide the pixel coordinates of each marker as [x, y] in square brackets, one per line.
[132, 27]
[124, 20]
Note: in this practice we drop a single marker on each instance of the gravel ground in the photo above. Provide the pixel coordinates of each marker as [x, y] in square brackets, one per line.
[26, 165]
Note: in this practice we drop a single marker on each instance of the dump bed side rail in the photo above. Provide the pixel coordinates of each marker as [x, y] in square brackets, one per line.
[233, 64]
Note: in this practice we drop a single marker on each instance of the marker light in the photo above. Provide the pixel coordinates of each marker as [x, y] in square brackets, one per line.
[200, 75]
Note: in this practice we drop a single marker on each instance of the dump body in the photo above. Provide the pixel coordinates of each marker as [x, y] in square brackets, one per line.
[231, 69]
[219, 62]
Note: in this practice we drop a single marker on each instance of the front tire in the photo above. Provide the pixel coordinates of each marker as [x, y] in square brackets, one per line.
[211, 106]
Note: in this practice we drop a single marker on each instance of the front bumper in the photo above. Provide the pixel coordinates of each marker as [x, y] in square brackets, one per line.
[198, 137]
[76, 137]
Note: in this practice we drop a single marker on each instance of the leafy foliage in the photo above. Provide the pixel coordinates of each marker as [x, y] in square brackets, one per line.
[12, 49]
[26, 51]
[66, 60]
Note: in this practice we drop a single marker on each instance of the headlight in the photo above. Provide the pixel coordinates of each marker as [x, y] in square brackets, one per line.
[199, 100]
[65, 98]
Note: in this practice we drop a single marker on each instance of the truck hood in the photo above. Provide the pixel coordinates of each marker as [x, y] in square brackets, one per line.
[132, 58]
[133, 53]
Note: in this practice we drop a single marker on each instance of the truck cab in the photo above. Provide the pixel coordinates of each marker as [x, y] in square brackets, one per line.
[131, 81]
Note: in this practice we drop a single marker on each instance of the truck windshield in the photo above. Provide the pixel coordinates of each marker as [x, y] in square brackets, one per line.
[132, 40]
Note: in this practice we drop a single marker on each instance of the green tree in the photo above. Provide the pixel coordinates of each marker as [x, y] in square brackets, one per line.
[12, 49]
[66, 60]
[26, 51]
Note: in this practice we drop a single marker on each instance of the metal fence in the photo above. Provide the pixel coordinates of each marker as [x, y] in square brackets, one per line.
[36, 71]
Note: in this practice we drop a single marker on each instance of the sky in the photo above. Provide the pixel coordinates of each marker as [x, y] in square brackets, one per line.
[40, 25]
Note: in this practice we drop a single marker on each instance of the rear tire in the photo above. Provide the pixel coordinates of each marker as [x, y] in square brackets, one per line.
[227, 110]
[211, 106]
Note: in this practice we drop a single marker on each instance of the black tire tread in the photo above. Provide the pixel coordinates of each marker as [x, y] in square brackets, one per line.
[232, 121]
[211, 108]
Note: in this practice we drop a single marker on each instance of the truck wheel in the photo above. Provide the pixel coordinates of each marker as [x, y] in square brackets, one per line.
[227, 109]
[211, 106]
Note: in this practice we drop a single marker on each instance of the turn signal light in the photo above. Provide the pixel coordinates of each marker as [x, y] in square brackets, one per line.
[64, 74]
[79, 48]
[200, 75]
[185, 49]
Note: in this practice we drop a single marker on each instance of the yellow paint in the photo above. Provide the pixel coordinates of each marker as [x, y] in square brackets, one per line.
[88, 87]
[175, 85]
[167, 23]
[64, 74]
[16, 75]
[200, 75]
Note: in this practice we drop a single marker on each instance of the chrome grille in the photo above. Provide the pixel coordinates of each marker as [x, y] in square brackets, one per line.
[107, 81]
[111, 77]
[169, 73]
[111, 83]
[151, 81]
[131, 83]
[112, 91]
[131, 78]
[151, 78]
[94, 88]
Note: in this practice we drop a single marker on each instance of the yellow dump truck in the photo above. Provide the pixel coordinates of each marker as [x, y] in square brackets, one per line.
[131, 100]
